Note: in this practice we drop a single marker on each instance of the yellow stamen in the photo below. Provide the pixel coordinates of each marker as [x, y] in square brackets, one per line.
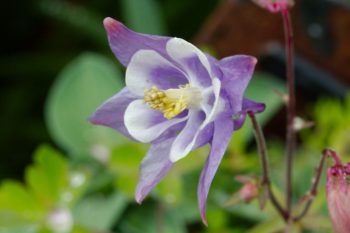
[171, 102]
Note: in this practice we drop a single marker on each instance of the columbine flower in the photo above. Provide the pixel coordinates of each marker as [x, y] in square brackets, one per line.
[274, 6]
[177, 99]
[338, 195]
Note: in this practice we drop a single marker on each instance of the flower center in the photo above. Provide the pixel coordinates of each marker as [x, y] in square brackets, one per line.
[172, 101]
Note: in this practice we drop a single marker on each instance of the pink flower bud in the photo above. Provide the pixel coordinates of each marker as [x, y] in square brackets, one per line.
[338, 195]
[274, 6]
[248, 192]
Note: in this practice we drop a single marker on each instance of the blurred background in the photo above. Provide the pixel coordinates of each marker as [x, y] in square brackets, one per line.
[60, 174]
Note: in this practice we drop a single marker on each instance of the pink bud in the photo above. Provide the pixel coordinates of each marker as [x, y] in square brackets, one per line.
[248, 192]
[338, 195]
[274, 6]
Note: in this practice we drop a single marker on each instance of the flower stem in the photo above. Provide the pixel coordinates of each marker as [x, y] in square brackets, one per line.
[315, 181]
[265, 182]
[291, 134]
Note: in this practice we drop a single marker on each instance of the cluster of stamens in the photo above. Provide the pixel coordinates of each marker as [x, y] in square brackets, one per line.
[164, 101]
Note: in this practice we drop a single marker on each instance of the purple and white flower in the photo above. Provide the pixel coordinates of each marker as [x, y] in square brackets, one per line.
[338, 194]
[176, 98]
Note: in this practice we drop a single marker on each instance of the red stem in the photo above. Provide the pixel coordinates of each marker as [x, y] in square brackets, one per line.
[291, 134]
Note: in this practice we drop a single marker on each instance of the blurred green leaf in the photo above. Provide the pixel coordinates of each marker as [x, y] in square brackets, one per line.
[48, 177]
[149, 219]
[317, 223]
[273, 225]
[14, 197]
[12, 223]
[79, 89]
[262, 88]
[81, 19]
[125, 163]
[143, 16]
[332, 125]
[100, 212]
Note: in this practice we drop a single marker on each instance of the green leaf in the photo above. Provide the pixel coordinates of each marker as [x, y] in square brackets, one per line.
[150, 218]
[100, 212]
[125, 162]
[12, 223]
[79, 18]
[48, 177]
[275, 224]
[262, 88]
[15, 198]
[143, 16]
[79, 89]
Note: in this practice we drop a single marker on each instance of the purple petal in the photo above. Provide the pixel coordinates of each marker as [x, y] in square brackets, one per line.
[223, 127]
[146, 124]
[125, 43]
[248, 105]
[204, 136]
[148, 68]
[192, 61]
[237, 72]
[111, 112]
[154, 167]
[185, 140]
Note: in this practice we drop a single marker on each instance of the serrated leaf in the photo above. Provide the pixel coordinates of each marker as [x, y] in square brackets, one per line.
[79, 89]
[47, 178]
[15, 198]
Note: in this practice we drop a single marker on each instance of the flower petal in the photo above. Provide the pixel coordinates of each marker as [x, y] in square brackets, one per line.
[148, 68]
[111, 112]
[125, 43]
[248, 105]
[186, 139]
[237, 72]
[205, 136]
[192, 61]
[197, 122]
[223, 127]
[154, 167]
[213, 103]
[146, 124]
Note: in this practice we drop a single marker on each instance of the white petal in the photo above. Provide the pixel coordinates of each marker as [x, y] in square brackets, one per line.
[139, 74]
[180, 50]
[212, 111]
[146, 124]
[186, 139]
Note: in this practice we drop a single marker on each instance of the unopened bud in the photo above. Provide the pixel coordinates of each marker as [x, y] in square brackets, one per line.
[274, 6]
[338, 195]
[248, 192]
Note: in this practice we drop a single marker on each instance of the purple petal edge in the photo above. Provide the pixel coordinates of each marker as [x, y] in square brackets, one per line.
[111, 112]
[154, 167]
[248, 105]
[125, 42]
[221, 138]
